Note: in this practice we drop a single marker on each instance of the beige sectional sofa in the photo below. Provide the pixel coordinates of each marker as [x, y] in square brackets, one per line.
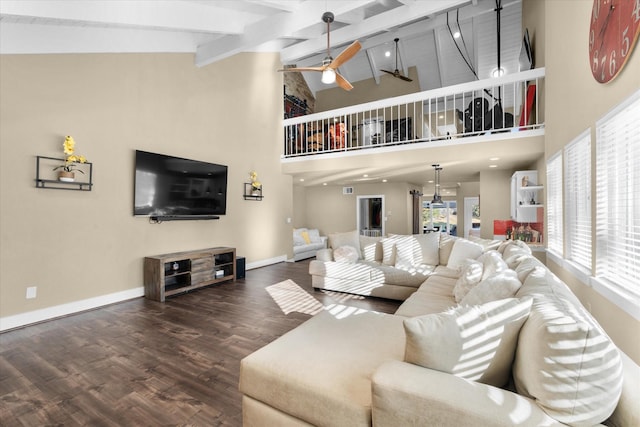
[493, 339]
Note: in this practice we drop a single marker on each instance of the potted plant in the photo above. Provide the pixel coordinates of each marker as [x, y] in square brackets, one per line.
[71, 161]
[255, 184]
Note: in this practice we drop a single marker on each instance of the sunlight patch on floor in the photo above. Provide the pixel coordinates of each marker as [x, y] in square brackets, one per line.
[290, 297]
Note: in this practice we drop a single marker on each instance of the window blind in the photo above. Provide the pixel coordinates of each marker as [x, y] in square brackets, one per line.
[554, 204]
[618, 193]
[577, 158]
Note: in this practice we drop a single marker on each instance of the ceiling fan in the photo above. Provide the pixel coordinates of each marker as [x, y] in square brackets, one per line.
[330, 66]
[397, 73]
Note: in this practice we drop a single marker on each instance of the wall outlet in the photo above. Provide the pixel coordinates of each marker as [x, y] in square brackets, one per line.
[32, 292]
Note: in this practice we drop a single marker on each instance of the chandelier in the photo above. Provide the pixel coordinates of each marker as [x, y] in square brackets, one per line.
[437, 199]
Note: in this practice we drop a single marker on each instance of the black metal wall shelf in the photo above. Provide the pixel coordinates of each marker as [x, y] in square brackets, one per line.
[251, 194]
[54, 184]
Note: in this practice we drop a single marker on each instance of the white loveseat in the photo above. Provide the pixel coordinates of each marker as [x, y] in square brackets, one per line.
[493, 341]
[306, 242]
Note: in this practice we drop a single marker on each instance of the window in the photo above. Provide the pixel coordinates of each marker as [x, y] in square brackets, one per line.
[554, 204]
[618, 199]
[577, 201]
[440, 218]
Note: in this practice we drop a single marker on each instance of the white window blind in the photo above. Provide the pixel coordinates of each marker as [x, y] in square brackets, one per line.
[553, 205]
[577, 158]
[618, 192]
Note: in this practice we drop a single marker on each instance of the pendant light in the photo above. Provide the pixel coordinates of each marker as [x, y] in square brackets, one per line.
[437, 199]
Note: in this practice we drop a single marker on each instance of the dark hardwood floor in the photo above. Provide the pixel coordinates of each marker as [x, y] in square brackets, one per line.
[144, 363]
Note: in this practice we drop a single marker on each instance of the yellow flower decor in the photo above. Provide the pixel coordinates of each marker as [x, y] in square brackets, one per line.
[255, 184]
[71, 160]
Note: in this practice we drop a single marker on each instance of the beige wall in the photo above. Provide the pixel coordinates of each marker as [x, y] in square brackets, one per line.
[574, 102]
[331, 211]
[77, 245]
[495, 196]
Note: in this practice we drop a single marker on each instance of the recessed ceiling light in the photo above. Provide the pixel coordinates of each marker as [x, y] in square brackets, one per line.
[387, 53]
[301, 179]
[430, 181]
[384, 180]
[493, 166]
[456, 35]
[493, 159]
[365, 176]
[441, 116]
[324, 183]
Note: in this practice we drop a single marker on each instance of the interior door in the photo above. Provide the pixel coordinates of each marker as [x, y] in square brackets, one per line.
[370, 215]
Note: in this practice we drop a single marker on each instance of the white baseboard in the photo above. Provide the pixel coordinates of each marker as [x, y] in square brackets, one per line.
[31, 317]
[265, 262]
[28, 318]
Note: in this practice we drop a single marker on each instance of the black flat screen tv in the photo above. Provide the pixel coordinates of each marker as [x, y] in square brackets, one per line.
[174, 188]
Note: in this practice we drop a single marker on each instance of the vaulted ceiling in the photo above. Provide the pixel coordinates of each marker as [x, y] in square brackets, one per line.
[217, 29]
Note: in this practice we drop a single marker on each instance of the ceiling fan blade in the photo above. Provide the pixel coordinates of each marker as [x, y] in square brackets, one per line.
[346, 55]
[406, 79]
[342, 82]
[303, 69]
[388, 72]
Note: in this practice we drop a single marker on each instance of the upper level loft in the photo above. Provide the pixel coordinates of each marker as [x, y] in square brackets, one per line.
[508, 107]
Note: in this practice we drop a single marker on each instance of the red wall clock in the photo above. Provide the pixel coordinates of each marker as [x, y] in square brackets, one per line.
[614, 29]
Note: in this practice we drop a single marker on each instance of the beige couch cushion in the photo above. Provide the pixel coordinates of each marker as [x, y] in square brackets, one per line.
[320, 372]
[582, 368]
[476, 343]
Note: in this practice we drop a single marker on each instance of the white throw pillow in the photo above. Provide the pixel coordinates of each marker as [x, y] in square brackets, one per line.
[349, 238]
[388, 250]
[476, 343]
[430, 247]
[470, 276]
[463, 249]
[347, 254]
[565, 362]
[499, 286]
[492, 263]
[407, 251]
[446, 245]
[371, 248]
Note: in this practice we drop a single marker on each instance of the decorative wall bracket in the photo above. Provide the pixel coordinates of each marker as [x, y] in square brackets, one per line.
[45, 179]
[251, 193]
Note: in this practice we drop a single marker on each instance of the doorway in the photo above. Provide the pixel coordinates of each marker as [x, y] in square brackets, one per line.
[370, 215]
[471, 217]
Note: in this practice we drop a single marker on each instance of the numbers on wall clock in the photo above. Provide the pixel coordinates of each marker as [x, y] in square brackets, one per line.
[613, 32]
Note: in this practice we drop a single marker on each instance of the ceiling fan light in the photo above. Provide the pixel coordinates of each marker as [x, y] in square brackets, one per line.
[328, 76]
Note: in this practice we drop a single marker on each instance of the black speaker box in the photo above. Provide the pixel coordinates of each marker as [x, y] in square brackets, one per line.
[240, 267]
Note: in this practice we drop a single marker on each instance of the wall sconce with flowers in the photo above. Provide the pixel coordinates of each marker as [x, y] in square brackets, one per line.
[253, 189]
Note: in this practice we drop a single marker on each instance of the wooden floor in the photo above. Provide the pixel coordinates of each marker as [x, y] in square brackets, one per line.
[144, 363]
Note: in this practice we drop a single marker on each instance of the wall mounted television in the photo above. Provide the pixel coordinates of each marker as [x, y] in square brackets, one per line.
[173, 188]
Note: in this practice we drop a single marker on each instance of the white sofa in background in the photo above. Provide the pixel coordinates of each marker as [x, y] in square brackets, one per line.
[306, 242]
[488, 340]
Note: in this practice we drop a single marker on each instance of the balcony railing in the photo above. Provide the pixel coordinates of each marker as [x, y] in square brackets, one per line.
[505, 104]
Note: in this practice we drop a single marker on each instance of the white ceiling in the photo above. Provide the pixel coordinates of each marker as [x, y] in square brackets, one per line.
[217, 29]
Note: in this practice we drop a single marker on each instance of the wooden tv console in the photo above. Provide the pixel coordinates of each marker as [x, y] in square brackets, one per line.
[175, 273]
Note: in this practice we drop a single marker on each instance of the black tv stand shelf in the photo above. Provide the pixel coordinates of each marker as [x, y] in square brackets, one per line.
[179, 272]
